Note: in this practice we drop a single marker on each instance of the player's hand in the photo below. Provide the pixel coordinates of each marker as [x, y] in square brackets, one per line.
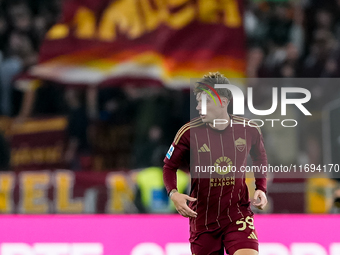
[180, 202]
[260, 199]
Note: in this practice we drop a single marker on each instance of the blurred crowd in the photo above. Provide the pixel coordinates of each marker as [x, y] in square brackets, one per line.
[284, 40]
[293, 39]
[23, 25]
[296, 39]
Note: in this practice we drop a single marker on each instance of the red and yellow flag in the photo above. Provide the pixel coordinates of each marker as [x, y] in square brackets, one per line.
[107, 42]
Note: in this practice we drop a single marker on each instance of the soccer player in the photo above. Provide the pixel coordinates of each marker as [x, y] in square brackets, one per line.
[219, 205]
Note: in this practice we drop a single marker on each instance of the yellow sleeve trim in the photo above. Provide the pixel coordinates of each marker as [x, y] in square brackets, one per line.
[194, 123]
[241, 120]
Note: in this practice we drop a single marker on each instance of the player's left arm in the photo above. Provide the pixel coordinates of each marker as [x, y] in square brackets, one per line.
[259, 158]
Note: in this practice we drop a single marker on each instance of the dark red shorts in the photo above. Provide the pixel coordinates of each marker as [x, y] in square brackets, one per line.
[240, 234]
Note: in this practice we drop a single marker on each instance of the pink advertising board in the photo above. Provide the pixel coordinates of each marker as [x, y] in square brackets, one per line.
[157, 235]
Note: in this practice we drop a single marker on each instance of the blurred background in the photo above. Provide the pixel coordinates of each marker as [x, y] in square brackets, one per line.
[92, 95]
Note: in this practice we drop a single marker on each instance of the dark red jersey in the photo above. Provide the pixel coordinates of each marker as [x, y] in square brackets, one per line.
[215, 158]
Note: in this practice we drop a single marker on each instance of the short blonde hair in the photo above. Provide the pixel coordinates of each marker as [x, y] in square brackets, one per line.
[211, 79]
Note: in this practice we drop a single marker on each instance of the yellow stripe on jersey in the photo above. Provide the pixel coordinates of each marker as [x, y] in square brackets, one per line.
[254, 235]
[179, 137]
[186, 129]
[242, 120]
[192, 122]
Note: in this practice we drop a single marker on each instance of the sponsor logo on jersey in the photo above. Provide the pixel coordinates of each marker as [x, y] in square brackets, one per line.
[223, 165]
[252, 236]
[204, 148]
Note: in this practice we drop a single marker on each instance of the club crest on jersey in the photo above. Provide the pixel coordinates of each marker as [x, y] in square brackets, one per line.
[170, 151]
[240, 144]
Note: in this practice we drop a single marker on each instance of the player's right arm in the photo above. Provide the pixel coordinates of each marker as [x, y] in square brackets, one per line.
[176, 156]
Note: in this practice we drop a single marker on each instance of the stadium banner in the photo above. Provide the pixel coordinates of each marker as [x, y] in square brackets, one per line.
[88, 192]
[156, 235]
[64, 191]
[167, 42]
[37, 143]
[40, 144]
